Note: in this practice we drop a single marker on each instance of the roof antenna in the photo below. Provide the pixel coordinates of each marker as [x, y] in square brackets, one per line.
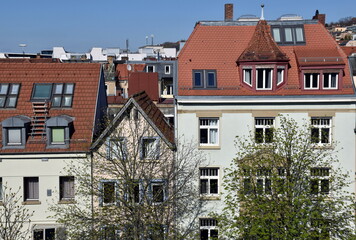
[262, 15]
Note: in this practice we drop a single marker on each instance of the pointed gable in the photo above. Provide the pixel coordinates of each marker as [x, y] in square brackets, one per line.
[262, 47]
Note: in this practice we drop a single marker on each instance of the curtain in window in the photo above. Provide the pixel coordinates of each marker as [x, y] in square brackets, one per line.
[213, 136]
[31, 189]
[67, 187]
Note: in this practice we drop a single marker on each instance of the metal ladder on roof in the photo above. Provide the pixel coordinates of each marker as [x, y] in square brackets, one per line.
[39, 118]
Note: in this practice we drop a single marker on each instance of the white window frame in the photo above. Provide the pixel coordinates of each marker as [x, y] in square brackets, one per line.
[208, 174]
[153, 155]
[167, 69]
[153, 68]
[282, 76]
[324, 123]
[260, 123]
[264, 78]
[311, 81]
[264, 175]
[251, 76]
[163, 184]
[209, 127]
[102, 192]
[116, 148]
[321, 174]
[208, 224]
[329, 80]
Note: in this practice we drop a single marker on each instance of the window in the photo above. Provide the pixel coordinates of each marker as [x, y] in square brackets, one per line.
[204, 79]
[110, 232]
[14, 131]
[66, 188]
[321, 130]
[208, 228]
[264, 78]
[150, 68]
[288, 35]
[44, 234]
[62, 94]
[330, 80]
[116, 148]
[109, 191]
[9, 93]
[158, 191]
[280, 75]
[31, 188]
[247, 76]
[150, 148]
[263, 181]
[209, 181]
[264, 130]
[311, 80]
[133, 191]
[209, 131]
[57, 135]
[167, 69]
[58, 130]
[319, 183]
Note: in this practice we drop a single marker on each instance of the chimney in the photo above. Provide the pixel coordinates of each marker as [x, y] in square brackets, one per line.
[319, 17]
[229, 11]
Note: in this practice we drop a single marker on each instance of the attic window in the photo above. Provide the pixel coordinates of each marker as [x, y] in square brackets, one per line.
[288, 35]
[9, 93]
[61, 94]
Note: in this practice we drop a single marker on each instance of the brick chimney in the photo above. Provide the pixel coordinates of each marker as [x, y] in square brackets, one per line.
[320, 17]
[229, 11]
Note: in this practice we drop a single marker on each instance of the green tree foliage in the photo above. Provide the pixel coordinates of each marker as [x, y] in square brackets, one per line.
[290, 188]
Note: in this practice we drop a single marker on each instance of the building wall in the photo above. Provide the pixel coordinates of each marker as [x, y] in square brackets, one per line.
[48, 168]
[238, 120]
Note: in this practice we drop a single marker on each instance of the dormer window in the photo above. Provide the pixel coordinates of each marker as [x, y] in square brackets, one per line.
[264, 77]
[59, 130]
[311, 80]
[330, 80]
[321, 79]
[14, 131]
[288, 35]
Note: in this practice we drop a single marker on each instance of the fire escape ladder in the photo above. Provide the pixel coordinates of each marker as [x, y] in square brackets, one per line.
[39, 118]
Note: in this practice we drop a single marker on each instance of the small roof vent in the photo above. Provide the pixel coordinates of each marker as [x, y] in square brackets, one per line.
[290, 17]
[248, 17]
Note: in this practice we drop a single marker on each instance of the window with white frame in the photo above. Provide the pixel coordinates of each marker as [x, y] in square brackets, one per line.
[133, 191]
[158, 190]
[280, 75]
[209, 131]
[209, 181]
[311, 80]
[330, 80]
[167, 69]
[44, 234]
[208, 228]
[263, 181]
[264, 78]
[31, 191]
[9, 93]
[150, 68]
[150, 148]
[108, 192]
[321, 130]
[116, 148]
[66, 188]
[264, 130]
[319, 180]
[247, 76]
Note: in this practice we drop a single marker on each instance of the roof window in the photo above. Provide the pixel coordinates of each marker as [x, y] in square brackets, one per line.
[288, 35]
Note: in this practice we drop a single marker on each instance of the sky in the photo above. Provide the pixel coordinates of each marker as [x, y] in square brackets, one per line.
[79, 25]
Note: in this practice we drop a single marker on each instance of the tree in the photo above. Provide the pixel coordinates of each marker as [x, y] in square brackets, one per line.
[139, 184]
[289, 188]
[14, 217]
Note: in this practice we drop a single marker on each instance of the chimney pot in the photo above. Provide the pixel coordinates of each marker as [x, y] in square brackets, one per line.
[229, 12]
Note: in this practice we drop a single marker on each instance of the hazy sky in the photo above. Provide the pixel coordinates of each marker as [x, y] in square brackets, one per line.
[79, 25]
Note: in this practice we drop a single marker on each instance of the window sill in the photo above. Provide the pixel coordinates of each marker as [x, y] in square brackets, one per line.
[31, 202]
[67, 201]
[210, 197]
[323, 146]
[209, 147]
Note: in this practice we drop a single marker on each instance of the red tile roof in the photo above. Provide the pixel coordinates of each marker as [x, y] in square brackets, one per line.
[262, 47]
[218, 46]
[86, 78]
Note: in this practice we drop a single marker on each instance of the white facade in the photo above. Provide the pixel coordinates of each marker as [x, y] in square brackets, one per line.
[236, 117]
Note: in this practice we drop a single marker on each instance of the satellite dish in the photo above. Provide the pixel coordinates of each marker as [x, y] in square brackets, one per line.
[129, 67]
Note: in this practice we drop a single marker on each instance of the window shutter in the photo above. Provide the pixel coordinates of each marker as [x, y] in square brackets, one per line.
[108, 149]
